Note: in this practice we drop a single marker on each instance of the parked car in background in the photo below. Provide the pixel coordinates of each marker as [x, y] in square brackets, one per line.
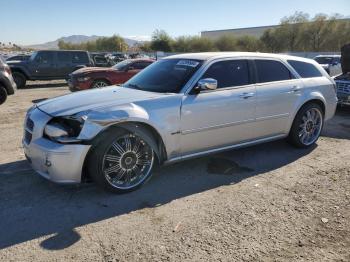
[48, 65]
[7, 84]
[343, 80]
[179, 107]
[331, 63]
[100, 60]
[96, 77]
[18, 58]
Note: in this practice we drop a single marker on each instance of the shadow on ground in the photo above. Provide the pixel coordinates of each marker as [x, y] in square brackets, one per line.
[32, 207]
[34, 85]
[339, 126]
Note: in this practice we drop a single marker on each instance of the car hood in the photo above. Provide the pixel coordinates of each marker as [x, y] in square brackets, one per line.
[86, 70]
[93, 99]
[15, 62]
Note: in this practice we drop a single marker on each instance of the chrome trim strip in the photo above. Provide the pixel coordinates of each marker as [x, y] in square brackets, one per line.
[190, 131]
[220, 149]
[272, 117]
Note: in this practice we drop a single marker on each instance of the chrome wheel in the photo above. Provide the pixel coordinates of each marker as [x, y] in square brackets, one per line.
[311, 126]
[99, 84]
[127, 162]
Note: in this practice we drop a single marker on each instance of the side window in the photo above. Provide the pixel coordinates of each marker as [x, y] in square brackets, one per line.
[229, 73]
[80, 57]
[64, 57]
[140, 65]
[44, 57]
[271, 70]
[305, 70]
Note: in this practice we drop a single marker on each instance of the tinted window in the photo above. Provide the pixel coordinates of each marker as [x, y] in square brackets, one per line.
[80, 58]
[324, 59]
[44, 57]
[229, 73]
[304, 69]
[140, 65]
[270, 70]
[165, 76]
[64, 57]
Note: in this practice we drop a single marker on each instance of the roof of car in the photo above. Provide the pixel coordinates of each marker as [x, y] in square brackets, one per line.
[328, 56]
[217, 55]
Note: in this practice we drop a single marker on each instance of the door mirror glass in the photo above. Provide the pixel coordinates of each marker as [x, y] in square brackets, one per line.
[207, 84]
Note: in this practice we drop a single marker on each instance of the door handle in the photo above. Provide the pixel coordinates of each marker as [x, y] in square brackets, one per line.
[246, 95]
[295, 89]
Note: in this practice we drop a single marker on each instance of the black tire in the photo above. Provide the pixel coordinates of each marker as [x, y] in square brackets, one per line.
[100, 83]
[299, 128]
[20, 79]
[100, 156]
[3, 95]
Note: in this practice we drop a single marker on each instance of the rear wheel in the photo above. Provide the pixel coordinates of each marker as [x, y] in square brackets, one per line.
[307, 126]
[99, 84]
[20, 79]
[121, 161]
[3, 95]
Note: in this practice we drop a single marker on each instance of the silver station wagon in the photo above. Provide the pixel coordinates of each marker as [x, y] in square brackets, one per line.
[180, 107]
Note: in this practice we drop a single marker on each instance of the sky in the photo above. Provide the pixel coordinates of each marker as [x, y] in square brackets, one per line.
[27, 22]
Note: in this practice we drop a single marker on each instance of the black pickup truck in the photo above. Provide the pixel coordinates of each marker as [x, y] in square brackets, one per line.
[48, 65]
[343, 80]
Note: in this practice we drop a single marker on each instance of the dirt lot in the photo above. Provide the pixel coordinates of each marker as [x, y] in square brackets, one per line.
[265, 203]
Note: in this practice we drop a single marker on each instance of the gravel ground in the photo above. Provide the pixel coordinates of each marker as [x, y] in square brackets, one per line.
[270, 202]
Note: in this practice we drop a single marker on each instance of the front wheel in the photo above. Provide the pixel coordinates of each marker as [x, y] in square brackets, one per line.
[99, 84]
[121, 161]
[3, 95]
[20, 79]
[307, 126]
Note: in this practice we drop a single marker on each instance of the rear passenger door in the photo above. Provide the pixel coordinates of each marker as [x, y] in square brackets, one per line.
[277, 93]
[64, 63]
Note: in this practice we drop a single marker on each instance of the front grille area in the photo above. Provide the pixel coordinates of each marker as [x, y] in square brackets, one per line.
[27, 137]
[343, 87]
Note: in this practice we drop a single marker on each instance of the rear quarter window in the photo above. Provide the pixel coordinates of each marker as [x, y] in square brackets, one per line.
[271, 70]
[80, 58]
[304, 69]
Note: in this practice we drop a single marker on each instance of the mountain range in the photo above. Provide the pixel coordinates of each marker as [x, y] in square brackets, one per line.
[77, 39]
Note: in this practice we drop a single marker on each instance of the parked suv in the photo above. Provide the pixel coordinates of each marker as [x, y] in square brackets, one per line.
[48, 65]
[179, 107]
[330, 63]
[343, 80]
[96, 77]
[7, 84]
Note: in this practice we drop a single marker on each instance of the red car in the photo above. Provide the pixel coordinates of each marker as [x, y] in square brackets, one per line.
[97, 77]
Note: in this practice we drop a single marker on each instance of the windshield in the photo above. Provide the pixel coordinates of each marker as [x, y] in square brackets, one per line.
[122, 65]
[165, 76]
[324, 60]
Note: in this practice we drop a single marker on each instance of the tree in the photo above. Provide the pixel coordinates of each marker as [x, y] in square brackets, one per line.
[161, 41]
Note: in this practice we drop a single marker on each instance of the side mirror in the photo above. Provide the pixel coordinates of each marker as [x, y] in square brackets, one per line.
[207, 84]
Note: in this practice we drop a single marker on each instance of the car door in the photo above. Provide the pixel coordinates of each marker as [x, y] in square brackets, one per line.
[277, 93]
[64, 63]
[44, 65]
[221, 117]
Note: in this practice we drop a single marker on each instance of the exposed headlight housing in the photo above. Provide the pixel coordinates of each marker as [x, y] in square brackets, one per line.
[83, 78]
[65, 129]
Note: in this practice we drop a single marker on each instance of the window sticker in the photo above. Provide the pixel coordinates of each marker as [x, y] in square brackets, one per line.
[190, 63]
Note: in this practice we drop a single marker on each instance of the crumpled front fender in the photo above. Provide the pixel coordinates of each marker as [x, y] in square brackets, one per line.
[98, 120]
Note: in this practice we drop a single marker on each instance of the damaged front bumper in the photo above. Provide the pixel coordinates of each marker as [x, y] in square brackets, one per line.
[60, 163]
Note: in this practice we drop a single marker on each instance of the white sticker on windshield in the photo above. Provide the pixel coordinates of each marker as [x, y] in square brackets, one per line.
[187, 63]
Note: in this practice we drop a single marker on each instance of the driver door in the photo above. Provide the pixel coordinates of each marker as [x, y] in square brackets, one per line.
[44, 65]
[221, 117]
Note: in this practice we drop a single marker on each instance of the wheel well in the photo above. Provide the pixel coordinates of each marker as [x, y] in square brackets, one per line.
[17, 70]
[102, 79]
[130, 126]
[318, 102]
